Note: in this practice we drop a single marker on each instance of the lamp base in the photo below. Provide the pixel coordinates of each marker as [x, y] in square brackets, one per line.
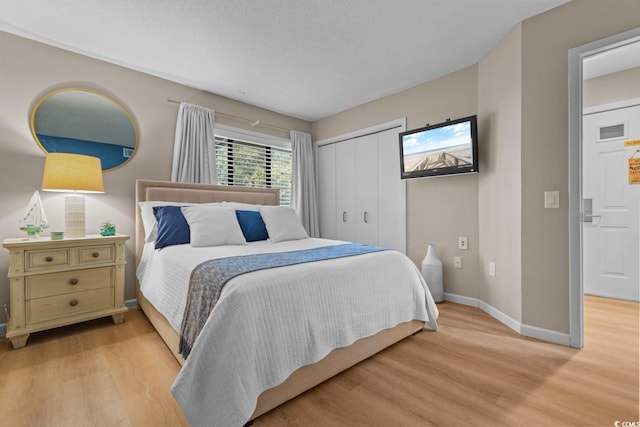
[74, 216]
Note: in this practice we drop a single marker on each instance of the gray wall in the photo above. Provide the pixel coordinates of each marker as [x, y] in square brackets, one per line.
[523, 101]
[520, 92]
[499, 187]
[29, 70]
[612, 87]
[546, 40]
[441, 209]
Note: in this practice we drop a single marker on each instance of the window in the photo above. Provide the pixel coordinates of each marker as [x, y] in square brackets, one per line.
[254, 165]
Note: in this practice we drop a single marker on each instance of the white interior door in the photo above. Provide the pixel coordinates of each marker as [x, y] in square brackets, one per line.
[366, 214]
[327, 190]
[345, 190]
[611, 206]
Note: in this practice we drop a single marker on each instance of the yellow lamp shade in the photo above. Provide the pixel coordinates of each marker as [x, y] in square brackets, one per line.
[72, 172]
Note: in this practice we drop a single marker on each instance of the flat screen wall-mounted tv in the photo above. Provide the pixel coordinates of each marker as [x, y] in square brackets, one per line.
[442, 149]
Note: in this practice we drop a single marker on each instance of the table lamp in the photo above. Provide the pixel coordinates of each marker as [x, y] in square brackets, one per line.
[77, 174]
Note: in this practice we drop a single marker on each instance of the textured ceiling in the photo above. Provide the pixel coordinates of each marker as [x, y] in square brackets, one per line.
[305, 58]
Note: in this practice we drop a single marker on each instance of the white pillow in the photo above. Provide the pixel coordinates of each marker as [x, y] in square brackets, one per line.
[241, 206]
[213, 226]
[149, 219]
[282, 223]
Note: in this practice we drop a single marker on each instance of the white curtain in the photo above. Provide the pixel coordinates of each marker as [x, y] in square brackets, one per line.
[194, 151]
[303, 189]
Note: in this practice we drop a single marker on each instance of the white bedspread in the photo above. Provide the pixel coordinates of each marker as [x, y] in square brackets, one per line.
[269, 323]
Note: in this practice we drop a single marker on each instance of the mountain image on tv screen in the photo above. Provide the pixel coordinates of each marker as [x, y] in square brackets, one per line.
[442, 147]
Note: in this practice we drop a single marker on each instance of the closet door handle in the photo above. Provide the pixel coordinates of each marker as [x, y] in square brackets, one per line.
[344, 217]
[365, 217]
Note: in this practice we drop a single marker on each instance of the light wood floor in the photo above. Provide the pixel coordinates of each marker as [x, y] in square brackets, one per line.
[472, 372]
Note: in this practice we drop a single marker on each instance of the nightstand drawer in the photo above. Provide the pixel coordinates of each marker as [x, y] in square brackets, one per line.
[43, 309]
[96, 254]
[51, 284]
[38, 260]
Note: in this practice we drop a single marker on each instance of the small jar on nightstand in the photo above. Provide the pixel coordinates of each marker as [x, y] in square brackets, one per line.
[59, 282]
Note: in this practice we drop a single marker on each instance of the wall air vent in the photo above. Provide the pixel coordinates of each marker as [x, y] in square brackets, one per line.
[610, 132]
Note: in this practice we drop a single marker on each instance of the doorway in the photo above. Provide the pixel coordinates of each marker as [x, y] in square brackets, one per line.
[577, 176]
[610, 205]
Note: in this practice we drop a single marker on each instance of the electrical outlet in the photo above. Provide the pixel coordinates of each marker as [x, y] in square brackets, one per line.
[463, 243]
[492, 268]
[457, 262]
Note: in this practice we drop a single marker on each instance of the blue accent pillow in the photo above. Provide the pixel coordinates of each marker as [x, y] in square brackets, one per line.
[252, 225]
[173, 228]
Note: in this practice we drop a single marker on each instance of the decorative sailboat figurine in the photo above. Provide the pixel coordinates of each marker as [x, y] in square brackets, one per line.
[34, 219]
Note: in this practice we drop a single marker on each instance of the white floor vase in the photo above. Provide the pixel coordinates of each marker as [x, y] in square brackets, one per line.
[432, 273]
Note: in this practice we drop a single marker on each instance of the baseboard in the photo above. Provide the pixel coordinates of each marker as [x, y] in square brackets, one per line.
[546, 335]
[523, 329]
[526, 330]
[131, 303]
[459, 299]
[500, 316]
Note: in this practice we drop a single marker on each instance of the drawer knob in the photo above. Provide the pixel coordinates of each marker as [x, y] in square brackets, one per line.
[73, 281]
[95, 254]
[49, 259]
[73, 302]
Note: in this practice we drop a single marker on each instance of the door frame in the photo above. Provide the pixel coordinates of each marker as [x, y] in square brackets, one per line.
[576, 292]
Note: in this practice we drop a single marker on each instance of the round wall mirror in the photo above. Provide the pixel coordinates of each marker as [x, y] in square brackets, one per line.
[81, 121]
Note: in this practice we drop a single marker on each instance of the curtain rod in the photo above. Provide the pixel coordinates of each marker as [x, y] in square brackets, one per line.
[252, 123]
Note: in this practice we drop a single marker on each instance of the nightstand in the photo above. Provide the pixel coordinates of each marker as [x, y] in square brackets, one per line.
[59, 282]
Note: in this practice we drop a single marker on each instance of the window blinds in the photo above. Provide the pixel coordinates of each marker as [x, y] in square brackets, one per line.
[253, 165]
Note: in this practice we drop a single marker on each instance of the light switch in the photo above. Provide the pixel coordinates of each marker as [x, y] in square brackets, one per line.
[551, 199]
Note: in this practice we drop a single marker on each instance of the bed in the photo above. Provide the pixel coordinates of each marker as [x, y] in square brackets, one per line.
[311, 366]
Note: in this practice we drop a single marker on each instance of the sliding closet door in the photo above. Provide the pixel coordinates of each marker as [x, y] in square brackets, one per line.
[391, 193]
[327, 190]
[362, 198]
[366, 189]
[345, 190]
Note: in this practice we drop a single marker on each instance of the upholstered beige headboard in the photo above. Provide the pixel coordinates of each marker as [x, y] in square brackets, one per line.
[196, 193]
